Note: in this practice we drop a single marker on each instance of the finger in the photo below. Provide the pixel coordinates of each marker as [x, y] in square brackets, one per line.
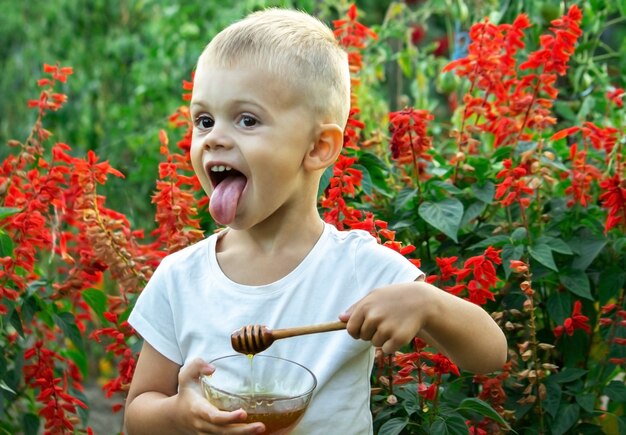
[232, 422]
[345, 316]
[355, 322]
[370, 327]
[193, 370]
[209, 419]
[391, 346]
[220, 417]
[380, 338]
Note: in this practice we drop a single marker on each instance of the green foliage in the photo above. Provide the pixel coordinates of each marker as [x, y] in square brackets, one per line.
[130, 58]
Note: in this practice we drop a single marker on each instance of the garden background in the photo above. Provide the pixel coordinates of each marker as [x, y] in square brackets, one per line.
[485, 143]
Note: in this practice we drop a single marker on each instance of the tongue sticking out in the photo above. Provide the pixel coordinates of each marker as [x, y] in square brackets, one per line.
[225, 197]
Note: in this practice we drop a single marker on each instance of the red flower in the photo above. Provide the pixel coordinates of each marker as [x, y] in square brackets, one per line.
[417, 34]
[513, 185]
[350, 32]
[446, 267]
[410, 142]
[582, 175]
[442, 48]
[559, 47]
[428, 392]
[443, 365]
[576, 321]
[519, 266]
[616, 97]
[614, 200]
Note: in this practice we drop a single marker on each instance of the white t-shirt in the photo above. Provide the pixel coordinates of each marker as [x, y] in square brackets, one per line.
[190, 308]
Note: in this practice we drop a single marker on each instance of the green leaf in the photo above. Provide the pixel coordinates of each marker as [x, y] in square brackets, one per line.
[483, 408]
[325, 180]
[393, 426]
[616, 391]
[474, 210]
[448, 187]
[543, 254]
[501, 153]
[567, 416]
[559, 306]
[524, 146]
[586, 401]
[485, 193]
[6, 245]
[553, 398]
[557, 164]
[445, 215]
[563, 109]
[411, 405]
[96, 299]
[613, 279]
[16, 322]
[510, 252]
[450, 424]
[79, 358]
[577, 282]
[568, 374]
[376, 169]
[7, 211]
[67, 323]
[587, 247]
[30, 422]
[491, 241]
[404, 197]
[366, 182]
[557, 245]
[519, 234]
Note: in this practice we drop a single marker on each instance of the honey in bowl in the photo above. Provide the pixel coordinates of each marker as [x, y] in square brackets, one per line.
[266, 409]
[273, 391]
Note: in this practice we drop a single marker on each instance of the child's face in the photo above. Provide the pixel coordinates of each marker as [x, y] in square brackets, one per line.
[250, 137]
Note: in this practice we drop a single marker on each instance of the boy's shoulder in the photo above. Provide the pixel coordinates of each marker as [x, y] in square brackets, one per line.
[349, 236]
[194, 252]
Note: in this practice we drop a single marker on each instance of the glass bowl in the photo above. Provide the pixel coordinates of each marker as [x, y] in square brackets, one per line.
[273, 391]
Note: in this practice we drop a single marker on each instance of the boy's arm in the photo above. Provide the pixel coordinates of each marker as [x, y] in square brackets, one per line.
[391, 316]
[165, 399]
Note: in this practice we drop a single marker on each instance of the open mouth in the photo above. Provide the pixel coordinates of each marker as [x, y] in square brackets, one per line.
[219, 173]
[228, 186]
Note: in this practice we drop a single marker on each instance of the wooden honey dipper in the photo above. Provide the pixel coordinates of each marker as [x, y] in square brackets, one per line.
[253, 339]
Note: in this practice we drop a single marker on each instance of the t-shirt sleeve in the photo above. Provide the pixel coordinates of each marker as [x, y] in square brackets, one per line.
[152, 315]
[377, 265]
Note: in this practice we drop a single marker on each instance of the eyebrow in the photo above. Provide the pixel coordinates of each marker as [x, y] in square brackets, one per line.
[197, 104]
[202, 105]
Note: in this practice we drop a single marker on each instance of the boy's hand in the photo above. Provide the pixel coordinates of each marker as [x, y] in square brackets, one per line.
[198, 415]
[389, 316]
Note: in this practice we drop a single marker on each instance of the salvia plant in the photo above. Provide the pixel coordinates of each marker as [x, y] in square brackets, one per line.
[497, 166]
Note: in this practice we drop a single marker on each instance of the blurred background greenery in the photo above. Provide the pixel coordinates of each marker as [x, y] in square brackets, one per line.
[131, 56]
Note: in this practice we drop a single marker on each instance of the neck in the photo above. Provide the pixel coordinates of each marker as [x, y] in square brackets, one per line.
[276, 235]
[269, 251]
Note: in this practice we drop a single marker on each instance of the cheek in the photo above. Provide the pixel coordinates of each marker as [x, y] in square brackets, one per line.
[195, 155]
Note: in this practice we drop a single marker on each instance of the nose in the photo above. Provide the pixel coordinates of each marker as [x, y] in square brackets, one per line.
[219, 137]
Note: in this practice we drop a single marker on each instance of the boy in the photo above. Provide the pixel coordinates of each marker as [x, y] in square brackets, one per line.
[270, 100]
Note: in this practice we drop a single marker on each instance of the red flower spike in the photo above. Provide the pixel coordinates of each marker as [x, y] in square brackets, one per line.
[556, 49]
[616, 96]
[614, 201]
[576, 321]
[428, 392]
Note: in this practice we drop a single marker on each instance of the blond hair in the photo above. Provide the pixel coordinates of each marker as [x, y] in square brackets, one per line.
[295, 47]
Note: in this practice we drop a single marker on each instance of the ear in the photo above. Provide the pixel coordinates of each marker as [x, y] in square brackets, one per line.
[325, 149]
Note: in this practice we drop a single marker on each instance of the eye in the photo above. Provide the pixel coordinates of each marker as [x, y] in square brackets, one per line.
[205, 121]
[247, 121]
